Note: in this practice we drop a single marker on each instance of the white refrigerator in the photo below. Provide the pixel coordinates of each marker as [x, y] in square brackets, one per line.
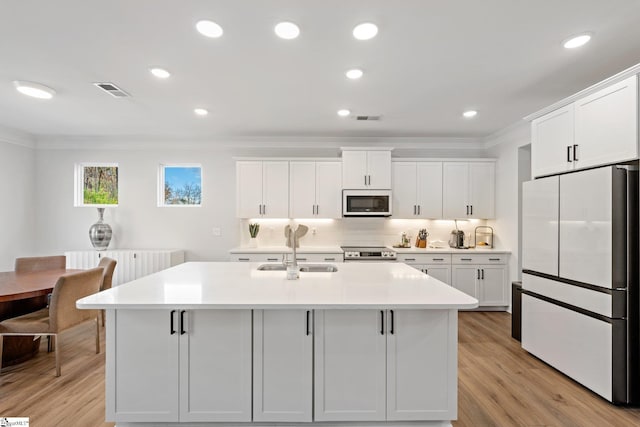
[580, 277]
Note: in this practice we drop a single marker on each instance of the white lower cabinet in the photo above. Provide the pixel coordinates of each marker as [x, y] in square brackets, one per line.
[282, 365]
[179, 365]
[435, 265]
[376, 365]
[482, 276]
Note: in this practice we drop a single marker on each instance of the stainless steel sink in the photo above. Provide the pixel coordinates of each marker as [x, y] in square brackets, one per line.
[318, 268]
[305, 268]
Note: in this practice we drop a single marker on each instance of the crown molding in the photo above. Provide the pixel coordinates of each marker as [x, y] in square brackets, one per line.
[301, 143]
[519, 131]
[17, 137]
[633, 70]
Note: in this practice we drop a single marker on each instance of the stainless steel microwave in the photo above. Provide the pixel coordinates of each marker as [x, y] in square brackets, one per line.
[366, 203]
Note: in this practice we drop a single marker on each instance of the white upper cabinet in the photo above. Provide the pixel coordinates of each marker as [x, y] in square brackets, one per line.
[468, 190]
[552, 142]
[366, 169]
[315, 189]
[262, 189]
[607, 125]
[417, 189]
[599, 129]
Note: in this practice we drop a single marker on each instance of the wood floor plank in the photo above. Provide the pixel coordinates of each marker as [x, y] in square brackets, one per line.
[500, 384]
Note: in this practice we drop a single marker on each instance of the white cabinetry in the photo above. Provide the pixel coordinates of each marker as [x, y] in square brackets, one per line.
[552, 137]
[468, 190]
[482, 276]
[131, 263]
[262, 189]
[277, 256]
[375, 365]
[282, 365]
[177, 365]
[417, 189]
[435, 265]
[599, 129]
[315, 189]
[366, 169]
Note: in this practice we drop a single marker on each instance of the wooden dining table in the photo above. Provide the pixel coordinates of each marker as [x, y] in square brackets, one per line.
[22, 293]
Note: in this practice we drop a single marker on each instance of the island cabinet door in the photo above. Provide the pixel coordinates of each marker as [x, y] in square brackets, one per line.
[282, 365]
[142, 366]
[421, 364]
[215, 365]
[350, 365]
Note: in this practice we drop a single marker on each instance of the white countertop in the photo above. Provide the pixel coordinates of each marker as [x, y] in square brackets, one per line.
[447, 251]
[225, 285]
[283, 249]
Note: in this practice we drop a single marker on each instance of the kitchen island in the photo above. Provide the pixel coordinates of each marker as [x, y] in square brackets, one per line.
[227, 344]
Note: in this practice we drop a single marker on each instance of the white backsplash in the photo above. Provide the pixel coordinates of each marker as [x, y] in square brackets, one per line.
[356, 231]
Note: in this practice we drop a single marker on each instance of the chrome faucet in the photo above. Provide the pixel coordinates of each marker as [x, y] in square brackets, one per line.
[292, 240]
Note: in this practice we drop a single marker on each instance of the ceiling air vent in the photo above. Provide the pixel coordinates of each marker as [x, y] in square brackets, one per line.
[368, 118]
[112, 90]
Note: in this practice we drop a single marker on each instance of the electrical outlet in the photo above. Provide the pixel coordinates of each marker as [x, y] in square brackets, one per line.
[313, 231]
[216, 231]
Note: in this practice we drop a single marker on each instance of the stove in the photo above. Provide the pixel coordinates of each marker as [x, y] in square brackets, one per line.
[368, 253]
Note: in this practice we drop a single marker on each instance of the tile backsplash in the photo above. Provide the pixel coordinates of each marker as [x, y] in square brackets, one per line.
[356, 231]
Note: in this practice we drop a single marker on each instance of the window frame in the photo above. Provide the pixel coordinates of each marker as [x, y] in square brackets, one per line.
[78, 190]
[161, 181]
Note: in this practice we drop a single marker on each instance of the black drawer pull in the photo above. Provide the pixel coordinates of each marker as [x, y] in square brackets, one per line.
[391, 326]
[308, 322]
[172, 329]
[409, 259]
[244, 259]
[438, 259]
[381, 322]
[272, 259]
[329, 259]
[466, 259]
[494, 259]
[182, 331]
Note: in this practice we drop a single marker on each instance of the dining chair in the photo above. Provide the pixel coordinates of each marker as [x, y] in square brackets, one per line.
[40, 263]
[108, 265]
[61, 314]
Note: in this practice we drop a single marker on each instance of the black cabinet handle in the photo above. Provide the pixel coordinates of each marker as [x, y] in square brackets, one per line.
[329, 259]
[467, 209]
[418, 209]
[409, 259]
[478, 274]
[244, 259]
[471, 209]
[381, 322]
[575, 152]
[438, 259]
[272, 259]
[465, 259]
[182, 331]
[391, 326]
[426, 271]
[301, 259]
[308, 322]
[494, 259]
[172, 328]
[569, 160]
[414, 209]
[482, 274]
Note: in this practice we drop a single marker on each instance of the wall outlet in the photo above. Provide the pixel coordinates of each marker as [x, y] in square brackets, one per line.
[216, 231]
[313, 231]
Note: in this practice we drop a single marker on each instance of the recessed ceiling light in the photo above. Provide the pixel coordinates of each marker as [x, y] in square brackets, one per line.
[160, 73]
[344, 113]
[287, 30]
[365, 31]
[354, 74]
[577, 41]
[35, 90]
[470, 113]
[200, 111]
[209, 29]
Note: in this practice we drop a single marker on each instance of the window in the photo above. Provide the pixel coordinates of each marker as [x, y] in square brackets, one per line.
[96, 184]
[180, 185]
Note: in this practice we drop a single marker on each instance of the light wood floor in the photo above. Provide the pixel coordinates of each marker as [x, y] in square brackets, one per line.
[499, 384]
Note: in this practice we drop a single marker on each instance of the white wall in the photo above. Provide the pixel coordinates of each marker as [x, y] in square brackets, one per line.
[139, 223]
[504, 147]
[17, 202]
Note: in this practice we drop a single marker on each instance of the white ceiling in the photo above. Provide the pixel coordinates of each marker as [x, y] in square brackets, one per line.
[430, 61]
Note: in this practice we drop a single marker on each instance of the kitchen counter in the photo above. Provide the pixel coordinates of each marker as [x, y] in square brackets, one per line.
[285, 249]
[224, 285]
[225, 344]
[447, 250]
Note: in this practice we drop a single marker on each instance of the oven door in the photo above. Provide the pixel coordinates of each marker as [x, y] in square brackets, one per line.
[366, 203]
